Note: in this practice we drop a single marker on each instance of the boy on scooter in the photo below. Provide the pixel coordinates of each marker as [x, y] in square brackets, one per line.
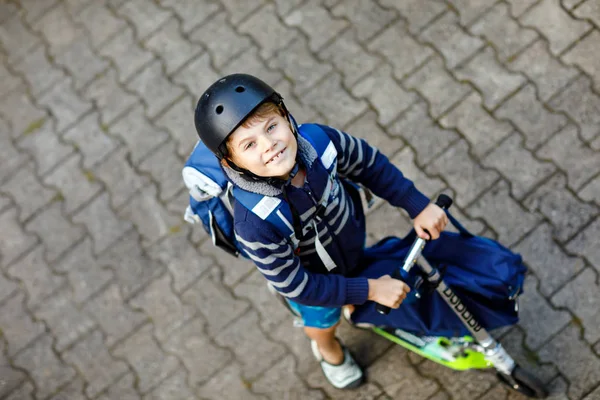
[245, 123]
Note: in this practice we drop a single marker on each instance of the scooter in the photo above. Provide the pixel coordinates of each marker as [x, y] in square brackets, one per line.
[476, 351]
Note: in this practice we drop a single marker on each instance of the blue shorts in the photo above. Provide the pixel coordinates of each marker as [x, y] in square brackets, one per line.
[316, 316]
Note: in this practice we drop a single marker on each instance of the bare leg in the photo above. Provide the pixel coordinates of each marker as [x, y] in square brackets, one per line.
[329, 347]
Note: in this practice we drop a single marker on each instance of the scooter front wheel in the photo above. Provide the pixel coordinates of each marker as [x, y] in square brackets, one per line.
[524, 382]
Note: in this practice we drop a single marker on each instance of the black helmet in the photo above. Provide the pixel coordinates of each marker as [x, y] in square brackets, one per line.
[226, 104]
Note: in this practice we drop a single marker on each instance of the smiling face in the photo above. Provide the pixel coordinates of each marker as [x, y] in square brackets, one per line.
[264, 145]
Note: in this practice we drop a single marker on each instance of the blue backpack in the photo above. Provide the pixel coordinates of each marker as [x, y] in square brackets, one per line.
[212, 196]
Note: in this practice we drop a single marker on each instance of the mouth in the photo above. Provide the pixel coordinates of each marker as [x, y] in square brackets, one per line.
[276, 156]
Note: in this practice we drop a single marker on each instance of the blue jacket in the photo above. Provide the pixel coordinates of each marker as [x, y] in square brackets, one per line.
[300, 274]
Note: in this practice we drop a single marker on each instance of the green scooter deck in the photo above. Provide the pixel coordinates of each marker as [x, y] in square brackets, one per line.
[471, 360]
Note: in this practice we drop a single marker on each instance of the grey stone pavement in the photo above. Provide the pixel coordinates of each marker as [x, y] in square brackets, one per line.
[106, 293]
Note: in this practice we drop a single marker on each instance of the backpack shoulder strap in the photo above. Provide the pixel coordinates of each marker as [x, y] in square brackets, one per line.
[321, 142]
[271, 209]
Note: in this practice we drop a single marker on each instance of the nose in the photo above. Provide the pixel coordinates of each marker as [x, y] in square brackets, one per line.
[267, 143]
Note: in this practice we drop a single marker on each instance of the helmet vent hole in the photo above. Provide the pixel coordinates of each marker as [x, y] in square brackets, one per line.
[219, 109]
[240, 89]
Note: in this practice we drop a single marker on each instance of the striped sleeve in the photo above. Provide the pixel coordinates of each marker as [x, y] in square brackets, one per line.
[364, 164]
[275, 259]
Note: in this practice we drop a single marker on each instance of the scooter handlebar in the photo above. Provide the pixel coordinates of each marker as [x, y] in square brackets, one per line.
[443, 201]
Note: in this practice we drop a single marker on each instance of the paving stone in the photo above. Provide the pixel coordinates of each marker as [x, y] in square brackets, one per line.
[45, 147]
[315, 22]
[518, 165]
[595, 395]
[379, 87]
[7, 289]
[405, 161]
[254, 289]
[39, 73]
[548, 74]
[85, 274]
[102, 223]
[577, 296]
[17, 40]
[285, 6]
[21, 114]
[299, 64]
[128, 57]
[27, 192]
[238, 12]
[503, 213]
[178, 122]
[574, 360]
[253, 65]
[417, 13]
[150, 363]
[566, 212]
[73, 391]
[582, 105]
[154, 89]
[505, 34]
[245, 339]
[163, 306]
[75, 186]
[168, 180]
[584, 56]
[24, 392]
[366, 18]
[550, 264]
[47, 370]
[386, 220]
[192, 12]
[468, 11]
[417, 128]
[134, 269]
[57, 28]
[233, 269]
[231, 43]
[121, 179]
[181, 258]
[570, 153]
[366, 347]
[301, 110]
[349, 58]
[400, 49]
[10, 377]
[18, 328]
[197, 352]
[530, 117]
[65, 104]
[196, 83]
[146, 17]
[446, 35]
[100, 23]
[10, 157]
[481, 130]
[7, 10]
[122, 390]
[18, 242]
[36, 277]
[437, 86]
[8, 81]
[333, 101]
[561, 30]
[98, 367]
[588, 10]
[365, 127]
[585, 244]
[518, 7]
[116, 320]
[109, 97]
[570, 4]
[174, 387]
[214, 302]
[171, 47]
[591, 191]
[396, 376]
[140, 136]
[81, 62]
[280, 382]
[534, 308]
[229, 384]
[495, 82]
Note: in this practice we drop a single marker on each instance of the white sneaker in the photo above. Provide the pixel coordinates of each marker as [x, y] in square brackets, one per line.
[347, 375]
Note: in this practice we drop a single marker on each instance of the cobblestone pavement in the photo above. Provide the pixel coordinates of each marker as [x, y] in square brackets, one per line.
[105, 293]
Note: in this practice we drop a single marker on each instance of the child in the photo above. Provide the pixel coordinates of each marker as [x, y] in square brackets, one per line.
[244, 122]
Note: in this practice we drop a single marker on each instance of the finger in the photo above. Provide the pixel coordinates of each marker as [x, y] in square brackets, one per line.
[421, 233]
[434, 233]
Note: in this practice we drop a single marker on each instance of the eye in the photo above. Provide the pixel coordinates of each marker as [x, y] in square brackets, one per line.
[247, 146]
[271, 127]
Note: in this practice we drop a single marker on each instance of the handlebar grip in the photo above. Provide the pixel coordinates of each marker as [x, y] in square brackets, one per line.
[443, 201]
